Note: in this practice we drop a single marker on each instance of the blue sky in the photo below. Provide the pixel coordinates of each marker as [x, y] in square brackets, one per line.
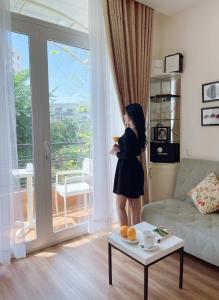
[68, 69]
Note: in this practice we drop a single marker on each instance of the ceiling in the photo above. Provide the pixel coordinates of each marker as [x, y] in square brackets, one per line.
[74, 13]
[68, 13]
[169, 7]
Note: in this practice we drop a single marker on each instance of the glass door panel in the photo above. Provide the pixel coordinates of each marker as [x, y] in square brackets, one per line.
[69, 134]
[23, 99]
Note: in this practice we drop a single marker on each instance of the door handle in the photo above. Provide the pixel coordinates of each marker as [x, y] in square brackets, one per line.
[47, 150]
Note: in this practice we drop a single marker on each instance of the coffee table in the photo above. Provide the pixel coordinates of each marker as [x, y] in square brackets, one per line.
[146, 258]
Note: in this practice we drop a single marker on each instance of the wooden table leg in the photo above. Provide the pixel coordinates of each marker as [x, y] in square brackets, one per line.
[110, 262]
[181, 268]
[145, 282]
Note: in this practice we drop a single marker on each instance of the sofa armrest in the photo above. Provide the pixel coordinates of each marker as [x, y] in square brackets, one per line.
[143, 212]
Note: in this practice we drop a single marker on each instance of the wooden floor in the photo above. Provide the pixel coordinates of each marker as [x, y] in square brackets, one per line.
[77, 270]
[73, 217]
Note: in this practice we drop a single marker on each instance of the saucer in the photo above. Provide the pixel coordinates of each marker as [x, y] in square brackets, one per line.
[128, 241]
[150, 248]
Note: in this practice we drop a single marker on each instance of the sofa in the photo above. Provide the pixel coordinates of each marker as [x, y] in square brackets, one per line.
[180, 215]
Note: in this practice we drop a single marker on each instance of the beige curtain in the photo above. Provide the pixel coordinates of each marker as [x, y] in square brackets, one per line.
[129, 31]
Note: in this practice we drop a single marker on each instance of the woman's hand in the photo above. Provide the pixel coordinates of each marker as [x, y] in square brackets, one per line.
[115, 149]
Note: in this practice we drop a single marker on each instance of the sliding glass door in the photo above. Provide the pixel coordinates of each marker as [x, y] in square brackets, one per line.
[51, 78]
[23, 98]
[69, 133]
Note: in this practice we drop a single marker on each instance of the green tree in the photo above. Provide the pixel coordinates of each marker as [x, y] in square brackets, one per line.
[23, 117]
[65, 131]
[23, 107]
[74, 131]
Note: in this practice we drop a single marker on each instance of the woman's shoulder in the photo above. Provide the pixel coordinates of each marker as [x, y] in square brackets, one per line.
[128, 129]
[130, 132]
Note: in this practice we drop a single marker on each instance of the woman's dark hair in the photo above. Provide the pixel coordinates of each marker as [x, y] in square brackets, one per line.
[135, 112]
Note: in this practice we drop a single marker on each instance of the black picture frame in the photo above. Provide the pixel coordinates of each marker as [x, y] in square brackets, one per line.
[214, 92]
[210, 117]
[179, 67]
[165, 130]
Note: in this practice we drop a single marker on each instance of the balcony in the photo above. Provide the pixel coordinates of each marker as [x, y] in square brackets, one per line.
[67, 160]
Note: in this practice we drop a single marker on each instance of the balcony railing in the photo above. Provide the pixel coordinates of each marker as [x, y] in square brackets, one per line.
[64, 156]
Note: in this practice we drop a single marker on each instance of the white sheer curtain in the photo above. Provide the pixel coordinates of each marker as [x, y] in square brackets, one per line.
[106, 122]
[10, 203]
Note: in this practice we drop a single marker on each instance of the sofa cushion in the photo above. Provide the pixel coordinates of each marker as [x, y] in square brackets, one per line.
[200, 232]
[205, 195]
[190, 173]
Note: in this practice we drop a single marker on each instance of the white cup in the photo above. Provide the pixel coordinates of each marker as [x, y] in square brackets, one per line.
[149, 239]
[29, 167]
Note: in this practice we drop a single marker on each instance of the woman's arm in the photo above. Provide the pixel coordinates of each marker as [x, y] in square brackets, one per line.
[128, 145]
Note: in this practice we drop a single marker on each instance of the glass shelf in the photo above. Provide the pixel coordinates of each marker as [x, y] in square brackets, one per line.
[167, 76]
[165, 99]
[165, 90]
[158, 96]
[155, 120]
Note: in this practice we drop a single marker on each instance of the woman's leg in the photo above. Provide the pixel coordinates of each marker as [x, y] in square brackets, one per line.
[135, 208]
[121, 211]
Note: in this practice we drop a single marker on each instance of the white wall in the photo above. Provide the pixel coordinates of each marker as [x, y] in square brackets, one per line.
[194, 33]
[156, 44]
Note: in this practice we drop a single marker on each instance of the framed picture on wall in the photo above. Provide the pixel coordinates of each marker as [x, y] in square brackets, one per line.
[162, 133]
[173, 63]
[210, 116]
[210, 91]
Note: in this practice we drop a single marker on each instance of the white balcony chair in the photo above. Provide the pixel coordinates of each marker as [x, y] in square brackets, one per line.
[77, 182]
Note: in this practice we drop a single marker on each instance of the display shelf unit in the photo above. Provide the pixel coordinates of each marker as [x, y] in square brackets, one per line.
[165, 110]
[165, 90]
[164, 152]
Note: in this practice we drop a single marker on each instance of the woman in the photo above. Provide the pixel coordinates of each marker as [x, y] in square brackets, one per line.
[129, 177]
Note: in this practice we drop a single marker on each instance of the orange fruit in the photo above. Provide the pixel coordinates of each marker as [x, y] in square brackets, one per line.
[123, 230]
[131, 234]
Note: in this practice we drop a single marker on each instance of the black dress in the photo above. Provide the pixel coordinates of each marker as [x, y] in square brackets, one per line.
[129, 177]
